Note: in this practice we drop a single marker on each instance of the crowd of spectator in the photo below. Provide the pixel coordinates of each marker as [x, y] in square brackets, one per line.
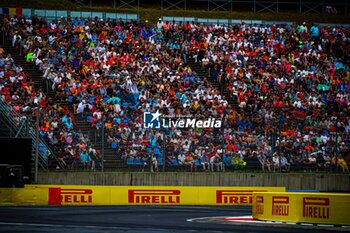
[290, 82]
[291, 85]
[56, 122]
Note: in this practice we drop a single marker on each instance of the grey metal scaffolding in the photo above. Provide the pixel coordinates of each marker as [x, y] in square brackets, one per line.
[223, 5]
[271, 6]
[173, 5]
[131, 4]
[274, 6]
[313, 7]
[80, 2]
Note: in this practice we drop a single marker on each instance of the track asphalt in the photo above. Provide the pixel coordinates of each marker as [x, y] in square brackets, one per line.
[137, 219]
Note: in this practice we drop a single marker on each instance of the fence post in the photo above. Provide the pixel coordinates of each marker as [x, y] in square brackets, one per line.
[279, 140]
[36, 148]
[336, 144]
[223, 151]
[151, 161]
[254, 6]
[103, 143]
[164, 148]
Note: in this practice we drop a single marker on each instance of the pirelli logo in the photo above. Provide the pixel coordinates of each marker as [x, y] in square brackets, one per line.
[154, 196]
[59, 196]
[316, 207]
[235, 196]
[259, 207]
[280, 205]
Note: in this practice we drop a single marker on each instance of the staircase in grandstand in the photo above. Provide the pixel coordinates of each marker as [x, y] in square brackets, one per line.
[215, 83]
[111, 158]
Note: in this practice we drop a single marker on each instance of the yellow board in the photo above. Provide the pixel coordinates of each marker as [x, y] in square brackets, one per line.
[323, 208]
[25, 196]
[130, 195]
[12, 11]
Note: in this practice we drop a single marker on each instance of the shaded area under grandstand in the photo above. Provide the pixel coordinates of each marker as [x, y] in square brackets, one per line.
[127, 219]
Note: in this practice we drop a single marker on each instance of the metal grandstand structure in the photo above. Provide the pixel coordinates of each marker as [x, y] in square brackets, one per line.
[133, 4]
[21, 126]
[340, 7]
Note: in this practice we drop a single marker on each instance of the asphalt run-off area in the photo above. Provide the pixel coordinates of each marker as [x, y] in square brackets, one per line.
[144, 219]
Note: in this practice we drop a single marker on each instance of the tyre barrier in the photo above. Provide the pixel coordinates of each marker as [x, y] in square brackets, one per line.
[315, 208]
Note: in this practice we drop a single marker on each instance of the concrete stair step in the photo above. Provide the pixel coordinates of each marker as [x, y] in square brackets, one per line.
[35, 75]
[198, 69]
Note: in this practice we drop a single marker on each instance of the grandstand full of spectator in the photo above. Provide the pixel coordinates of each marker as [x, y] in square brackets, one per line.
[291, 85]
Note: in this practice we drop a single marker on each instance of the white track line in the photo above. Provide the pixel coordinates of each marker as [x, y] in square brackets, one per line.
[59, 225]
[220, 218]
[203, 218]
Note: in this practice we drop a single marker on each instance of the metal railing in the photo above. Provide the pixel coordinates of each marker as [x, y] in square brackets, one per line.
[24, 128]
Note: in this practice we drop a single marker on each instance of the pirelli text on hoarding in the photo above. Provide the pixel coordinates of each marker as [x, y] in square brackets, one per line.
[316, 207]
[154, 197]
[235, 196]
[280, 205]
[259, 206]
[300, 207]
[59, 196]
